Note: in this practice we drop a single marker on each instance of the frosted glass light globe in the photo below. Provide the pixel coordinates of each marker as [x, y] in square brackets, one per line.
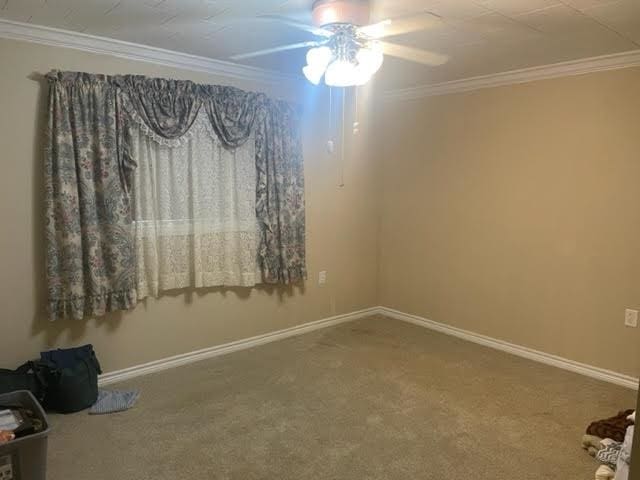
[313, 73]
[370, 59]
[340, 73]
[319, 57]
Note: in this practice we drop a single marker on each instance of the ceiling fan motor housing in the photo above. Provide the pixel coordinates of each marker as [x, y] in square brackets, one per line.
[331, 12]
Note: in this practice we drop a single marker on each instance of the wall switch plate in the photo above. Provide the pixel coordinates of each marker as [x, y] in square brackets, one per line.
[631, 318]
[322, 277]
[331, 147]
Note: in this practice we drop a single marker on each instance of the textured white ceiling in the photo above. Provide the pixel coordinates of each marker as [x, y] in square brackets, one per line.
[481, 36]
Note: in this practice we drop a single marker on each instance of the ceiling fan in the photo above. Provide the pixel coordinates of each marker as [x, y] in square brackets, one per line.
[349, 50]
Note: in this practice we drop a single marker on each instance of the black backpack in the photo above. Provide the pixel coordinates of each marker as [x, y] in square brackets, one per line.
[30, 376]
[71, 378]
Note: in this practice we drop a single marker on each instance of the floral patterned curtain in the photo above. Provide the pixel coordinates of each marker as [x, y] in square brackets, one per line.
[90, 253]
[89, 244]
[280, 195]
[167, 107]
[233, 113]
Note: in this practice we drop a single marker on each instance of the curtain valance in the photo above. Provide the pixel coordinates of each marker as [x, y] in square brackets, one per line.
[169, 107]
[88, 178]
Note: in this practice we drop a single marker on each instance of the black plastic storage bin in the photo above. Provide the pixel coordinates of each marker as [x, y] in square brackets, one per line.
[25, 458]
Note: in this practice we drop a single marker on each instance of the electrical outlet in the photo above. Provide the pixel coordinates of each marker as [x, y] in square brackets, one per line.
[322, 277]
[631, 318]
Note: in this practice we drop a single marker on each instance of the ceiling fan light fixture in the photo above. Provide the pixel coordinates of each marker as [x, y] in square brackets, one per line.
[319, 57]
[340, 73]
[370, 59]
[348, 50]
[361, 77]
[313, 73]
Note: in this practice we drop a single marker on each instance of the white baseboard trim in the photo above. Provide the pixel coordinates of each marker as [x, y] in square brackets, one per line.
[529, 353]
[535, 355]
[196, 356]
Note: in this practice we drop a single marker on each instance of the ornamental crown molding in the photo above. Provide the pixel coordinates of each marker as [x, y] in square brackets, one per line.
[132, 51]
[531, 74]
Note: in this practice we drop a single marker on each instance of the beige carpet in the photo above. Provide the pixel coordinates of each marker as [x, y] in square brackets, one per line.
[372, 399]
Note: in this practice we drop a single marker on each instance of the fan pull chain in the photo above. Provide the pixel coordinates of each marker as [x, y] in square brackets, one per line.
[330, 142]
[342, 142]
[356, 122]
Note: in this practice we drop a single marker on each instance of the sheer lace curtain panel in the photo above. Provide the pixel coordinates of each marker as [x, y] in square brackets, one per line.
[156, 184]
[194, 212]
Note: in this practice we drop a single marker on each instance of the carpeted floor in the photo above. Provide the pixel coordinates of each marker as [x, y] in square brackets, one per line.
[371, 399]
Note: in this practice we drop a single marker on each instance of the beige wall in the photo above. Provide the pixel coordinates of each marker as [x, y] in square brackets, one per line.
[515, 212]
[341, 232]
[512, 212]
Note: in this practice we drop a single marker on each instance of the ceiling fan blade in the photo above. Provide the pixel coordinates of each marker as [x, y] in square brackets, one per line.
[320, 32]
[268, 51]
[401, 25]
[414, 54]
